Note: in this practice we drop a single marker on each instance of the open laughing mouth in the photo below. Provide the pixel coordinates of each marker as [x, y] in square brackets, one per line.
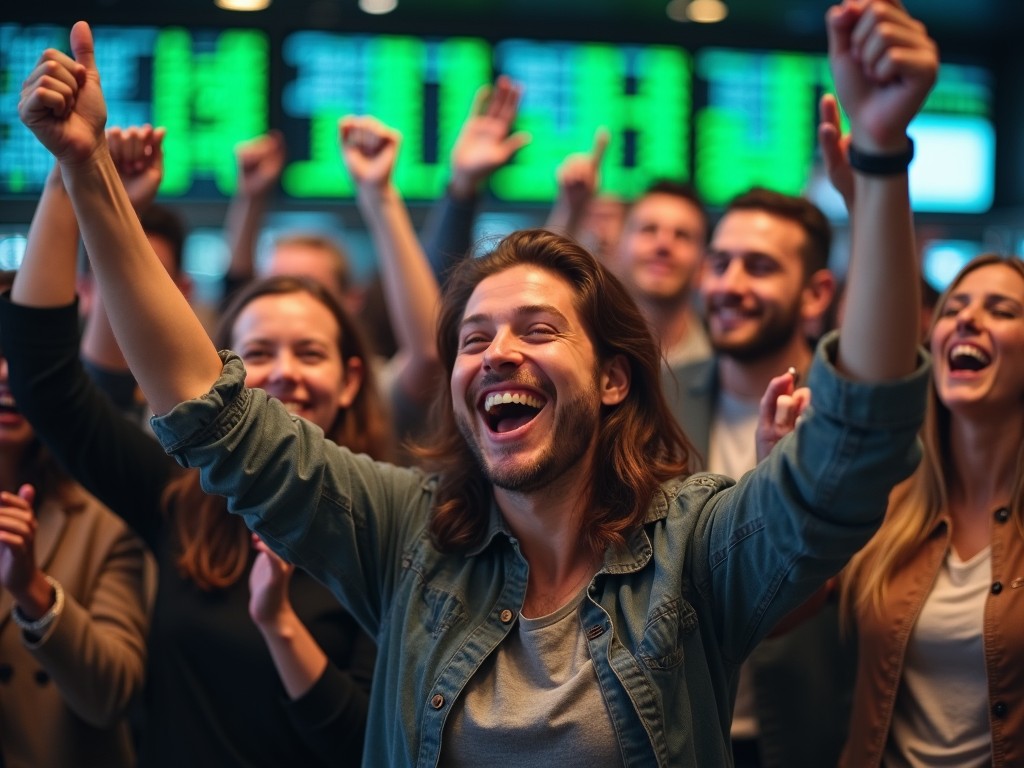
[509, 410]
[967, 357]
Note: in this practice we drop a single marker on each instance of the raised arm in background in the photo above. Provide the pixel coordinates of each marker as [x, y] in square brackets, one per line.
[578, 180]
[411, 293]
[883, 64]
[485, 143]
[260, 163]
[163, 341]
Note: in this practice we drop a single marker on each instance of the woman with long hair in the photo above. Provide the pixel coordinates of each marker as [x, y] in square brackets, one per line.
[936, 595]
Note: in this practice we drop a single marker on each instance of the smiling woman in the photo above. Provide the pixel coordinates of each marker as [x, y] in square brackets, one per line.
[957, 526]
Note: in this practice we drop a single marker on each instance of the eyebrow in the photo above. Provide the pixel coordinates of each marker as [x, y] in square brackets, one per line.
[988, 298]
[526, 310]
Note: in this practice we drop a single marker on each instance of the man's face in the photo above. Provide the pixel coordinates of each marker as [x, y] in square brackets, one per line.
[752, 284]
[526, 386]
[661, 249]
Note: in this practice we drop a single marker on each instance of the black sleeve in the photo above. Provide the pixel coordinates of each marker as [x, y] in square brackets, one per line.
[114, 459]
[448, 232]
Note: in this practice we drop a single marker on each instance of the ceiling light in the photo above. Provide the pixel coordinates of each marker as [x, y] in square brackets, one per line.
[676, 10]
[377, 7]
[706, 11]
[242, 5]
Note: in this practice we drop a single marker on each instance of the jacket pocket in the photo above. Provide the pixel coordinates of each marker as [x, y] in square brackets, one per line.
[665, 634]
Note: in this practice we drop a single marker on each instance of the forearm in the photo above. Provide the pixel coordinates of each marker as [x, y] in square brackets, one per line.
[163, 341]
[241, 230]
[46, 277]
[879, 335]
[300, 661]
[99, 345]
[410, 288]
[448, 232]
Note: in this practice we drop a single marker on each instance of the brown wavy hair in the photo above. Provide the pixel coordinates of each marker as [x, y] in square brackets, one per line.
[639, 443]
[215, 545]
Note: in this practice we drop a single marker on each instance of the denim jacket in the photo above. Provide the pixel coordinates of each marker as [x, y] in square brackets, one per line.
[669, 616]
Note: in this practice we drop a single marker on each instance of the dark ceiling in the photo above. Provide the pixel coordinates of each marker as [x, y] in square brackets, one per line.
[962, 27]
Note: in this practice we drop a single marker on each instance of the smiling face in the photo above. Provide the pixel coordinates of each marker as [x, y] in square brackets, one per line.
[527, 387]
[753, 284]
[290, 345]
[660, 249]
[977, 342]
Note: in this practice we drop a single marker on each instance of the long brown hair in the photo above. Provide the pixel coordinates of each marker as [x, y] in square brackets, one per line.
[215, 545]
[639, 443]
[918, 503]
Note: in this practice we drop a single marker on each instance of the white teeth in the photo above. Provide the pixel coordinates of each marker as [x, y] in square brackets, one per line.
[969, 351]
[521, 398]
[291, 407]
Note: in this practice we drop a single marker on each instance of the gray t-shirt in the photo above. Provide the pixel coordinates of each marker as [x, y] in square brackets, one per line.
[534, 701]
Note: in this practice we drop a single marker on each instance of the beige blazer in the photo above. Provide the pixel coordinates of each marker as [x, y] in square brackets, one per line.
[63, 703]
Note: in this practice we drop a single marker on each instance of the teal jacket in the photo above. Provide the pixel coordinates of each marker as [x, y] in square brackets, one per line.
[669, 616]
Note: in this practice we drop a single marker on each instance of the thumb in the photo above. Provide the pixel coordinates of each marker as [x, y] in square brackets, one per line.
[601, 139]
[28, 493]
[517, 141]
[82, 45]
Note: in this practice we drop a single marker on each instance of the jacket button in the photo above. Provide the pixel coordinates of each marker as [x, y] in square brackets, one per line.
[506, 616]
[1002, 514]
[41, 677]
[999, 709]
[6, 671]
[437, 701]
[997, 587]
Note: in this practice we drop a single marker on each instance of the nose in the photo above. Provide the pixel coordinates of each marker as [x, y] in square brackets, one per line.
[503, 351]
[967, 319]
[284, 367]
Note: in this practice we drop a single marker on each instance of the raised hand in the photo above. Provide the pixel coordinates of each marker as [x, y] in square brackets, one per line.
[834, 146]
[17, 541]
[62, 103]
[369, 149]
[268, 585]
[578, 175]
[781, 406]
[486, 142]
[883, 64]
[260, 163]
[138, 155]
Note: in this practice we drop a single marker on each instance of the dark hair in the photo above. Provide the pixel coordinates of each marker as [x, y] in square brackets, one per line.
[639, 442]
[801, 211]
[681, 190]
[162, 222]
[341, 266]
[215, 545]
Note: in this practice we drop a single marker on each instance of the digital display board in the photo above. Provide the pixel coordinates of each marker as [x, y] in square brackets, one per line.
[210, 89]
[640, 94]
[758, 126]
[726, 119]
[423, 88]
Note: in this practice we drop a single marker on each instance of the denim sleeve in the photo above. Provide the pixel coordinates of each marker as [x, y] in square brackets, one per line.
[795, 520]
[344, 518]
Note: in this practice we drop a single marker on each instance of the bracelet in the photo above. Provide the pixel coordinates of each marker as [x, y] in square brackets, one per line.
[40, 625]
[881, 165]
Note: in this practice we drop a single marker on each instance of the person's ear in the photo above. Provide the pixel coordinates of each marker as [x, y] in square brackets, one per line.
[353, 381]
[615, 379]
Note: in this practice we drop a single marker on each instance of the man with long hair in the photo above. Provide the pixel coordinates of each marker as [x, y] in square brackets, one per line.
[562, 591]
